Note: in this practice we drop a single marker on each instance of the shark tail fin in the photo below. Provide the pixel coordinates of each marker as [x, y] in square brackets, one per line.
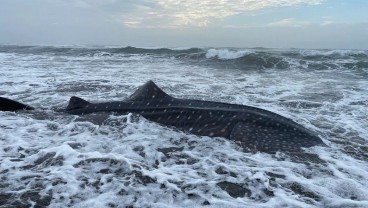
[11, 105]
[76, 102]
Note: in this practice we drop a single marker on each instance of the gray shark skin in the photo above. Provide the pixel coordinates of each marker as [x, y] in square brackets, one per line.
[253, 129]
[11, 105]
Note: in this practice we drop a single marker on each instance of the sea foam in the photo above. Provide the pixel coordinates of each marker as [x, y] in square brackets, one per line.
[48, 158]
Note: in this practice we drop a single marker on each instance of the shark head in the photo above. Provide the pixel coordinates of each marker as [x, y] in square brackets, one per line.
[11, 105]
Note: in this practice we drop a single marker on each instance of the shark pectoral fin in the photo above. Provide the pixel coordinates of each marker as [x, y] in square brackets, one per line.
[11, 105]
[76, 102]
[268, 139]
[244, 135]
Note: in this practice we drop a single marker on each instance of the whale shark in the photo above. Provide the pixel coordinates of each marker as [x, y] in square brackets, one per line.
[253, 129]
[11, 105]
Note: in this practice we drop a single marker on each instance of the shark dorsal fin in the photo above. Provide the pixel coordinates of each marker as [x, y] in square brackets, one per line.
[148, 91]
[76, 102]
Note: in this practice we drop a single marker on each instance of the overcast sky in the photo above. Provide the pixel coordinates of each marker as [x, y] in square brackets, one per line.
[187, 23]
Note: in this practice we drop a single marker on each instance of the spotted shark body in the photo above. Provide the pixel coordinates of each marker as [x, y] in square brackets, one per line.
[253, 129]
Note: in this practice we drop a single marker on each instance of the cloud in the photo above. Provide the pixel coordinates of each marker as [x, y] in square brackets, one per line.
[327, 20]
[181, 13]
[106, 5]
[289, 22]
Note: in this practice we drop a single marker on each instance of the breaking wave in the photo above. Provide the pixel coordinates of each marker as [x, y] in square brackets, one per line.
[244, 59]
[226, 54]
[164, 51]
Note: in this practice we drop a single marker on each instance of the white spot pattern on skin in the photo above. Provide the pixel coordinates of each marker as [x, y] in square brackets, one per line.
[211, 134]
[199, 118]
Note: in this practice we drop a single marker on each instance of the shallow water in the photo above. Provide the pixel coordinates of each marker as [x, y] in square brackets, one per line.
[49, 158]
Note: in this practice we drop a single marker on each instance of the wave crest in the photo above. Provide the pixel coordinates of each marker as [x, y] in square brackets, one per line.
[134, 50]
[226, 54]
[244, 59]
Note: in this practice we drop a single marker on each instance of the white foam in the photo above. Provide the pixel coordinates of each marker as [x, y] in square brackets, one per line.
[332, 52]
[226, 54]
[124, 162]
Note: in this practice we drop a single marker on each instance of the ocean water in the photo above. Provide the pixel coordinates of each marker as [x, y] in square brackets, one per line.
[58, 160]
